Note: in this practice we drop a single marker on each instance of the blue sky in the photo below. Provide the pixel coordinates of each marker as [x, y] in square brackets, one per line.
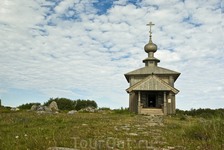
[80, 49]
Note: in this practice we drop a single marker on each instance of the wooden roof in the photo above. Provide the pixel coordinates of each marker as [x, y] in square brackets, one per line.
[152, 83]
[152, 70]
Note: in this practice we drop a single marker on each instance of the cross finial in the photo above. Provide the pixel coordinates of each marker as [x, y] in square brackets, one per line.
[150, 24]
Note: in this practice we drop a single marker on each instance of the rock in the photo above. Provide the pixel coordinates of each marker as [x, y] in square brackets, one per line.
[180, 147]
[40, 108]
[160, 143]
[61, 148]
[133, 134]
[44, 112]
[169, 147]
[34, 107]
[14, 109]
[72, 112]
[47, 108]
[41, 112]
[53, 106]
[151, 124]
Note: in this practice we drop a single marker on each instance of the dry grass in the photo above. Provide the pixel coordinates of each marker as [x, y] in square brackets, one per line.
[29, 130]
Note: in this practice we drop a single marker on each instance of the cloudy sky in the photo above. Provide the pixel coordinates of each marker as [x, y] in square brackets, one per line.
[81, 49]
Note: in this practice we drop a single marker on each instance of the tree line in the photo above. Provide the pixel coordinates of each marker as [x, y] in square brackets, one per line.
[64, 104]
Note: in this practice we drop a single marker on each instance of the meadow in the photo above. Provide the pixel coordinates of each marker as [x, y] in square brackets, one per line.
[119, 129]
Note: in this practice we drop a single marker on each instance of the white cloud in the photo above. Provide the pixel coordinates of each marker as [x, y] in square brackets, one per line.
[92, 53]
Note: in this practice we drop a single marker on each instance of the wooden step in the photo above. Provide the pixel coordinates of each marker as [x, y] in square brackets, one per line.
[152, 111]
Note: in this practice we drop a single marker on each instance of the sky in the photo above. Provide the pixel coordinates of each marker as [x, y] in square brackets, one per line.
[81, 49]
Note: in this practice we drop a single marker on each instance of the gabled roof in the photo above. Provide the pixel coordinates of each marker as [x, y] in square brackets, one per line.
[152, 70]
[152, 83]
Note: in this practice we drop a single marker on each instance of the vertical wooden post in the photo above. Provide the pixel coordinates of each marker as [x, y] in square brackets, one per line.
[0, 105]
[174, 104]
[139, 102]
[169, 105]
[130, 106]
[165, 107]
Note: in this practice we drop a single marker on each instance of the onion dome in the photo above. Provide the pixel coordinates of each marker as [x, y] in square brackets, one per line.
[150, 47]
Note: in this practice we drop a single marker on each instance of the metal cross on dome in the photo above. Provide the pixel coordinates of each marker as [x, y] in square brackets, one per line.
[150, 24]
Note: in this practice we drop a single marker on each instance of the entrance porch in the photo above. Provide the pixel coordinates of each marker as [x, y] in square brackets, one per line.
[152, 111]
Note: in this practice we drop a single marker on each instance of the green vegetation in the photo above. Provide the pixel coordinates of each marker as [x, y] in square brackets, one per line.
[104, 108]
[204, 113]
[27, 105]
[32, 131]
[64, 104]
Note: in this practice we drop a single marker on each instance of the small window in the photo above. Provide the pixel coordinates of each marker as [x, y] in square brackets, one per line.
[151, 62]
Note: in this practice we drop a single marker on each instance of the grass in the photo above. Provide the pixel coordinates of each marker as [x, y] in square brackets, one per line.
[29, 130]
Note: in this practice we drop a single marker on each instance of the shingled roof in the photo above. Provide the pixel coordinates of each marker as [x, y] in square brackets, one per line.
[152, 70]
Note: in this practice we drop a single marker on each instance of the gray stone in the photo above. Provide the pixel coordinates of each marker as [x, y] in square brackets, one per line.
[34, 107]
[72, 112]
[151, 124]
[44, 112]
[133, 134]
[41, 112]
[40, 108]
[180, 147]
[14, 109]
[53, 106]
[47, 108]
[61, 148]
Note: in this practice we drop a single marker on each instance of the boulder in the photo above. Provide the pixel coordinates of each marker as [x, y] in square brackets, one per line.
[34, 107]
[14, 109]
[44, 112]
[72, 112]
[53, 106]
[40, 108]
[47, 109]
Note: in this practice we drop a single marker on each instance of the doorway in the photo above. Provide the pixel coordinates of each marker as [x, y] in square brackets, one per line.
[151, 100]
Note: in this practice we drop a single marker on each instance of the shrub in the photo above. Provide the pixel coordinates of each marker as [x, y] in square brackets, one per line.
[67, 104]
[27, 105]
[183, 118]
[104, 108]
[63, 103]
[206, 115]
[80, 104]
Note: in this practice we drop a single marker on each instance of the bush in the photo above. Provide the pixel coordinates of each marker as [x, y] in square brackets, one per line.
[27, 105]
[205, 113]
[67, 104]
[183, 118]
[8, 111]
[80, 104]
[104, 108]
[63, 103]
